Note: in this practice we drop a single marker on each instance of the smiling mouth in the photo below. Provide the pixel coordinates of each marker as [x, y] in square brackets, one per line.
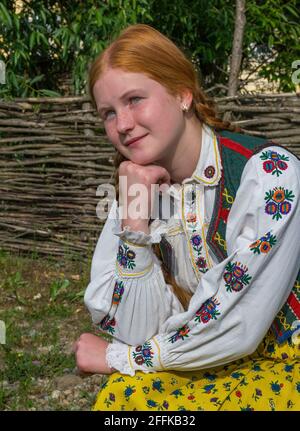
[134, 140]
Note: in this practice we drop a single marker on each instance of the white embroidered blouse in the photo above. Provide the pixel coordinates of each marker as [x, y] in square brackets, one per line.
[234, 302]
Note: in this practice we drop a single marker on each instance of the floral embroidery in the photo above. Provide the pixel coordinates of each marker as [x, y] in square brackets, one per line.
[263, 244]
[129, 390]
[180, 334]
[201, 264]
[258, 382]
[177, 393]
[216, 402]
[191, 397]
[257, 394]
[108, 324]
[191, 218]
[126, 257]
[227, 386]
[236, 277]
[165, 405]
[196, 242]
[211, 377]
[208, 389]
[193, 227]
[151, 403]
[238, 394]
[209, 172]
[276, 387]
[143, 354]
[208, 311]
[118, 292]
[157, 385]
[110, 399]
[274, 162]
[237, 375]
[277, 202]
[119, 379]
[248, 408]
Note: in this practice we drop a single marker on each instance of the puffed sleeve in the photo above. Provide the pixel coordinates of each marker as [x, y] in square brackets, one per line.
[127, 295]
[237, 300]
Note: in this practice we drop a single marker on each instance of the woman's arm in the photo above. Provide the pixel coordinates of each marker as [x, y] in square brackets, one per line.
[127, 296]
[237, 300]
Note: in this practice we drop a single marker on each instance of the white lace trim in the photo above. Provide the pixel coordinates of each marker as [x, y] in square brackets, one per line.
[117, 358]
[140, 238]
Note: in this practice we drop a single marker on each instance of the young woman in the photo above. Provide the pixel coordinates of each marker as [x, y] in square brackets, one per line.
[190, 297]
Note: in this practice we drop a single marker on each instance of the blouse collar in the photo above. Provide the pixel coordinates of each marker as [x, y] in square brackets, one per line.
[208, 169]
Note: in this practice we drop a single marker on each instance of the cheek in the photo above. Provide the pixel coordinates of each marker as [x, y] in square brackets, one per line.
[161, 117]
[171, 122]
[111, 133]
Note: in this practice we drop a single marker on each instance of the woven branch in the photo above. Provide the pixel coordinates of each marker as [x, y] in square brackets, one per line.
[54, 155]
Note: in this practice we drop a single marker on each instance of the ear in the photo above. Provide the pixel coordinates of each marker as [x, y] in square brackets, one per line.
[186, 98]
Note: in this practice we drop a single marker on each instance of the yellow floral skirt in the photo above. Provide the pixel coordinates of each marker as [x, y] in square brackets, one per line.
[269, 379]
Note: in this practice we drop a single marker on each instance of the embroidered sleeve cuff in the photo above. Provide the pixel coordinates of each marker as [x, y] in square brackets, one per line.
[117, 357]
[146, 357]
[138, 237]
[133, 260]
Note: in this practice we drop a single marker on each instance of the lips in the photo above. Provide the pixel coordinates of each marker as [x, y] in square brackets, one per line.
[133, 140]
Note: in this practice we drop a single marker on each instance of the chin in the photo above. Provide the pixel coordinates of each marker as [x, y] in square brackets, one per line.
[142, 160]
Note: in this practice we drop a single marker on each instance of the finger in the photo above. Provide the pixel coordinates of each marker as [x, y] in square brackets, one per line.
[164, 187]
[164, 177]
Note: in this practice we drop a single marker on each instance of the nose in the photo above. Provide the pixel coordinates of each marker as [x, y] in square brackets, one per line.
[125, 121]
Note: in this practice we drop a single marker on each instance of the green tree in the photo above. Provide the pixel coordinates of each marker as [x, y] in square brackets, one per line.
[42, 41]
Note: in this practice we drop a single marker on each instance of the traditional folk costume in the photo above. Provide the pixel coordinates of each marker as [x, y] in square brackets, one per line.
[232, 239]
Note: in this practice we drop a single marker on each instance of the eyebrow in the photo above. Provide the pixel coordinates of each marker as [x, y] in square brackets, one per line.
[103, 107]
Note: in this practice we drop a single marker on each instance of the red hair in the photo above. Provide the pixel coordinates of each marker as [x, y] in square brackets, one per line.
[142, 49]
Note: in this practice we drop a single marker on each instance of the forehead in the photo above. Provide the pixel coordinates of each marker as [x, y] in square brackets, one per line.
[114, 83]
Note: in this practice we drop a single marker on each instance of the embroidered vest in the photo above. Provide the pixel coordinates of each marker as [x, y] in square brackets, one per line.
[235, 150]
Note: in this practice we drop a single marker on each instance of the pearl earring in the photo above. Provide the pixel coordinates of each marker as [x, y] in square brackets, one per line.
[184, 107]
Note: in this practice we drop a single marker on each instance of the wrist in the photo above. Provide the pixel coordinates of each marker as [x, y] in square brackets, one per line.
[137, 225]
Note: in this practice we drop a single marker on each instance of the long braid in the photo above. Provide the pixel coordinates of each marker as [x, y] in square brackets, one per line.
[183, 296]
[205, 110]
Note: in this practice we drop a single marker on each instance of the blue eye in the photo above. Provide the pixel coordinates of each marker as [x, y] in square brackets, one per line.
[135, 99]
[108, 114]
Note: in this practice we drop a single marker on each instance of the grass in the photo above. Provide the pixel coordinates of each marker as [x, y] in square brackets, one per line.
[41, 304]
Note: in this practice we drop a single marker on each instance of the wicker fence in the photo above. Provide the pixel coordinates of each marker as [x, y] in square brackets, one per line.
[53, 156]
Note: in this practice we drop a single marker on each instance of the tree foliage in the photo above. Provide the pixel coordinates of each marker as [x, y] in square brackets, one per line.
[42, 41]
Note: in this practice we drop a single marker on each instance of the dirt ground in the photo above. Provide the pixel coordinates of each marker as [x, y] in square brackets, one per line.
[41, 305]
